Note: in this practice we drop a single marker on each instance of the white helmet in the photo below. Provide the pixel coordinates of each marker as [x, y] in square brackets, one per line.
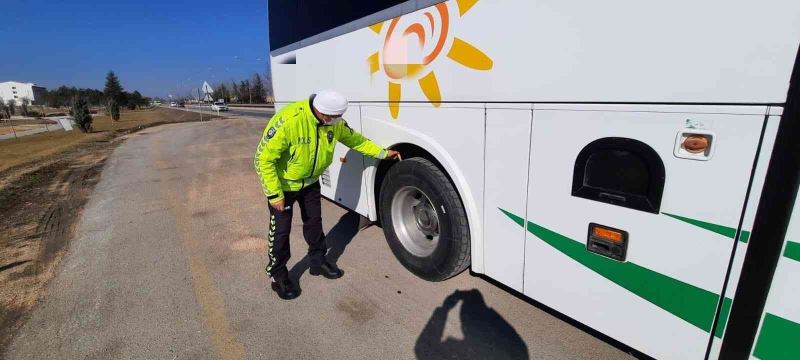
[330, 102]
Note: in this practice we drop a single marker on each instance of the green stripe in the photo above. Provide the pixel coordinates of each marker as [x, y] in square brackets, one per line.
[744, 237]
[792, 251]
[719, 229]
[723, 317]
[779, 339]
[688, 302]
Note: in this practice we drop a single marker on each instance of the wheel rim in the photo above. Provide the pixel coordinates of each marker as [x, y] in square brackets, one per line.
[415, 221]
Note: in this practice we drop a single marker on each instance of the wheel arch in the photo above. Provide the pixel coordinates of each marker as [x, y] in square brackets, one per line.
[408, 151]
[411, 144]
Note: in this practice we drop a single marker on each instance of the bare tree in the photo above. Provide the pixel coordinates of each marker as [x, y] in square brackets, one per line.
[24, 105]
[11, 111]
[3, 109]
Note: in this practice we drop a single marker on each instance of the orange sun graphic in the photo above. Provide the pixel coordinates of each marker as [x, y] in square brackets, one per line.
[406, 54]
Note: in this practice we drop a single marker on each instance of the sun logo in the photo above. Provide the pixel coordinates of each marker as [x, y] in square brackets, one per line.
[413, 42]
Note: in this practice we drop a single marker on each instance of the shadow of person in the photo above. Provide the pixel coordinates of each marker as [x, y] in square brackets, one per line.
[486, 334]
[336, 241]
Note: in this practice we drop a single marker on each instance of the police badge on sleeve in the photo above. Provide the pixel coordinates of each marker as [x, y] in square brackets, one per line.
[271, 133]
[330, 136]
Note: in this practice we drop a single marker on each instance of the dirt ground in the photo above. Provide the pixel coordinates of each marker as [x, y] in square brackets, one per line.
[45, 180]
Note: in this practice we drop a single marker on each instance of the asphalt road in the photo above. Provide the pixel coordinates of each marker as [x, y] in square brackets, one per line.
[169, 264]
[236, 111]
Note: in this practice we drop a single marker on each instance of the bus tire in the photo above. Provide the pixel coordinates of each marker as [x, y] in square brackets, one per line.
[424, 220]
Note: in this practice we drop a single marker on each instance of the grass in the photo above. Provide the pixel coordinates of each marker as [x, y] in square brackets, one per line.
[32, 148]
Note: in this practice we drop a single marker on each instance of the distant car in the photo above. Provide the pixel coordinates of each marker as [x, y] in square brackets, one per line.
[219, 106]
[182, 104]
[173, 104]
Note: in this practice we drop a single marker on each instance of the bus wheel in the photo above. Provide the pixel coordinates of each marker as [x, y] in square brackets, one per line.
[424, 221]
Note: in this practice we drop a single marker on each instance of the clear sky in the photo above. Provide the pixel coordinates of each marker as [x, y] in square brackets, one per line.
[157, 47]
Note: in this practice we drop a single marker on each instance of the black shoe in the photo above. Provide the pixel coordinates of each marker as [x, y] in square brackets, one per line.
[327, 270]
[286, 289]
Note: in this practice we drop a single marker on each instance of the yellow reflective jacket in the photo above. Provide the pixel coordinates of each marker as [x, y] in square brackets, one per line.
[296, 148]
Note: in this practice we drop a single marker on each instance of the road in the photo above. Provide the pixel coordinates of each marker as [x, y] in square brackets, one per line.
[169, 263]
[236, 111]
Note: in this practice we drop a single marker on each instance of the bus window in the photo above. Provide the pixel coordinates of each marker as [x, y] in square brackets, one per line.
[620, 171]
[291, 21]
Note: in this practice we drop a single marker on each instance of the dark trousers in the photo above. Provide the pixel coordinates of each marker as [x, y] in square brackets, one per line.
[280, 226]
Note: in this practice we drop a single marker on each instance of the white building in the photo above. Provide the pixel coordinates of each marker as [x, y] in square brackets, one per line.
[12, 90]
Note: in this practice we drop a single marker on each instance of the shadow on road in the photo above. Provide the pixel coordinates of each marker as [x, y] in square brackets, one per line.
[486, 334]
[336, 240]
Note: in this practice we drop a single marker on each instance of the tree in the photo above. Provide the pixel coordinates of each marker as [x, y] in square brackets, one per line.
[112, 108]
[133, 100]
[3, 109]
[24, 106]
[244, 91]
[222, 92]
[113, 89]
[63, 95]
[137, 100]
[11, 111]
[257, 90]
[80, 112]
[268, 85]
[235, 95]
[114, 95]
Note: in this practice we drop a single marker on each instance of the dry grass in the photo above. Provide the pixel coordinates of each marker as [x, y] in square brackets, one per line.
[32, 148]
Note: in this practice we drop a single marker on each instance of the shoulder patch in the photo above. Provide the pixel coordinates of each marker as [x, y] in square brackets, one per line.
[330, 135]
[271, 133]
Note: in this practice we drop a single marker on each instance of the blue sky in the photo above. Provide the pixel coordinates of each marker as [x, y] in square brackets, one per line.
[156, 47]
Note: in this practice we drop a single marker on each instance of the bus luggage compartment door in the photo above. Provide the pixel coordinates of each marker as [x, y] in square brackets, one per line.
[617, 166]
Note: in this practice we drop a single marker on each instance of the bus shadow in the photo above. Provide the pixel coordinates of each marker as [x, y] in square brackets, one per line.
[486, 334]
[336, 240]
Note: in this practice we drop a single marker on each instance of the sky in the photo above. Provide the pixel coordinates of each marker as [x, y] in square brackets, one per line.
[156, 47]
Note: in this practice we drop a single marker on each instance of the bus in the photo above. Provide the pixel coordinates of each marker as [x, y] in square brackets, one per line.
[632, 165]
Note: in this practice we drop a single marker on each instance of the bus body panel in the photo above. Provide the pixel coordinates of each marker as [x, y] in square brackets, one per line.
[454, 136]
[507, 153]
[715, 51]
[779, 331]
[344, 183]
[747, 224]
[667, 251]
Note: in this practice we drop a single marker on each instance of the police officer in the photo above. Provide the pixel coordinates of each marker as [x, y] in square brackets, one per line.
[296, 147]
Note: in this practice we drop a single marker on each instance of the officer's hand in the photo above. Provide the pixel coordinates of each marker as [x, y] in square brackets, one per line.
[393, 155]
[279, 205]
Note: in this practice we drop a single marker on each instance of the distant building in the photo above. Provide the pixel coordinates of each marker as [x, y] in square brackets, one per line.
[12, 90]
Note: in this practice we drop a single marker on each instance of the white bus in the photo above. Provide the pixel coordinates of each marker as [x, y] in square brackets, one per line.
[632, 165]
